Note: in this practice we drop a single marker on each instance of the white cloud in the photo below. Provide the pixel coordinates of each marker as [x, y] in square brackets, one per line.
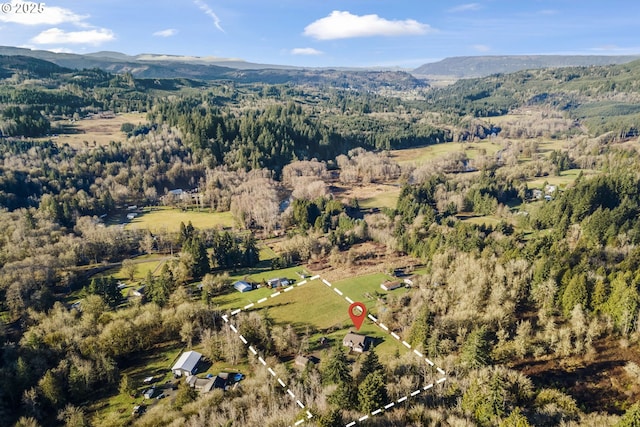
[468, 7]
[343, 25]
[305, 51]
[481, 47]
[166, 33]
[51, 15]
[58, 36]
[208, 11]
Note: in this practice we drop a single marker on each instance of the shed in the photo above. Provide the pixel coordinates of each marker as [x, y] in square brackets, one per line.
[356, 342]
[139, 292]
[277, 282]
[390, 285]
[186, 364]
[148, 393]
[242, 286]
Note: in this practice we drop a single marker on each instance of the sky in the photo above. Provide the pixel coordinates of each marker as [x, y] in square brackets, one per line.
[321, 33]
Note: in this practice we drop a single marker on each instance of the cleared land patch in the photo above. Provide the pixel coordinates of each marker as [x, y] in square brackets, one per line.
[373, 195]
[565, 178]
[417, 156]
[99, 130]
[168, 219]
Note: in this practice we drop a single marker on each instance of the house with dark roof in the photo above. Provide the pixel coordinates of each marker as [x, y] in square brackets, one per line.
[203, 385]
[357, 342]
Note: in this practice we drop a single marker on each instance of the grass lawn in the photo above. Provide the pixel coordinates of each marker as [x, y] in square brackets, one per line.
[266, 253]
[565, 178]
[235, 299]
[169, 219]
[387, 199]
[318, 308]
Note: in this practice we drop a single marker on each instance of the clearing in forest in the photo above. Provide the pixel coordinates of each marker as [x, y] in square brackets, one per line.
[168, 219]
[99, 130]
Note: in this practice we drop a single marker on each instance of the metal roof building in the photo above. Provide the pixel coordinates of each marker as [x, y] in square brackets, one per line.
[186, 364]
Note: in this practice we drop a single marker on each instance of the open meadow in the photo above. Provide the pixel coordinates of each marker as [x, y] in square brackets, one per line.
[316, 308]
[168, 219]
[417, 156]
[97, 131]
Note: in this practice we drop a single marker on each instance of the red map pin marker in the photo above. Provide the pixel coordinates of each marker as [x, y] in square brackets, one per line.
[357, 312]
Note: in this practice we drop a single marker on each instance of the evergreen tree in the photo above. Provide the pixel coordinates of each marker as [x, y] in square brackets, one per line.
[337, 369]
[126, 386]
[186, 231]
[372, 393]
[575, 293]
[200, 258]
[107, 288]
[345, 396]
[476, 351]
[159, 288]
[370, 365]
[333, 418]
[515, 419]
[419, 333]
[250, 251]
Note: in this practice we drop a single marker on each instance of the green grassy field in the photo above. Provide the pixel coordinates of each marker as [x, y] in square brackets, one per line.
[316, 307]
[235, 299]
[565, 178]
[387, 199]
[169, 219]
[420, 155]
[143, 263]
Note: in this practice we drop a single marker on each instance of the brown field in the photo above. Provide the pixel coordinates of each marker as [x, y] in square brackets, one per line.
[598, 381]
[96, 131]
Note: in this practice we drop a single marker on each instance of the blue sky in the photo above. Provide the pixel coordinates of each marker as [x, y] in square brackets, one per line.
[404, 33]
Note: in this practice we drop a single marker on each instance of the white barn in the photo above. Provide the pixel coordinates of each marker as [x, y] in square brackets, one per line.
[186, 364]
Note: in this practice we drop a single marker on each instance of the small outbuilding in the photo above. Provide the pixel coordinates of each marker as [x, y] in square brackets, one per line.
[356, 342]
[278, 282]
[242, 286]
[390, 285]
[186, 364]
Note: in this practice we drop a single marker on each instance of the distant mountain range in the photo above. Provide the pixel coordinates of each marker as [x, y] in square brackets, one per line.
[213, 68]
[167, 66]
[462, 67]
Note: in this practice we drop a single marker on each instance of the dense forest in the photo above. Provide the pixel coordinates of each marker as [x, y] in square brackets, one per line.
[526, 288]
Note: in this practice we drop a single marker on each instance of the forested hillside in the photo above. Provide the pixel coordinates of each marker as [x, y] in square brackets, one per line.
[605, 99]
[465, 67]
[499, 214]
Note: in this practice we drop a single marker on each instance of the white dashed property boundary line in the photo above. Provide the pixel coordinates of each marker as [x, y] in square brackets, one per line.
[373, 319]
[269, 369]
